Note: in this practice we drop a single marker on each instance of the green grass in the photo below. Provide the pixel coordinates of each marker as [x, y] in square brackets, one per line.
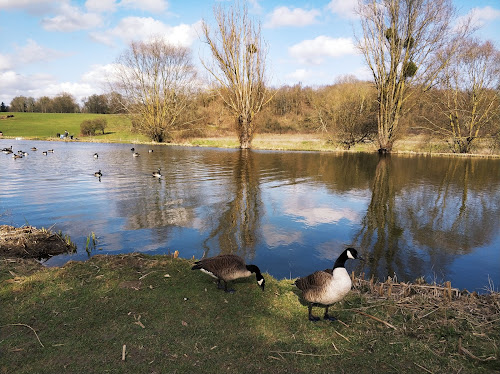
[46, 126]
[174, 320]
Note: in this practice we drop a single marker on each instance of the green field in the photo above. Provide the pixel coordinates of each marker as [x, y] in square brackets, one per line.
[152, 314]
[46, 126]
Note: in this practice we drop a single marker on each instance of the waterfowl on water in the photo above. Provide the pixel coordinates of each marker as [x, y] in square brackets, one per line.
[98, 173]
[7, 150]
[327, 286]
[226, 268]
[157, 174]
[96, 155]
[14, 156]
[44, 153]
[135, 154]
[50, 150]
[150, 151]
[132, 149]
[33, 148]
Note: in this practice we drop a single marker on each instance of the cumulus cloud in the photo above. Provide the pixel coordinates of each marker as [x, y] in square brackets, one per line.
[147, 5]
[481, 16]
[316, 50]
[284, 16]
[141, 28]
[5, 62]
[71, 18]
[99, 6]
[30, 6]
[344, 8]
[33, 52]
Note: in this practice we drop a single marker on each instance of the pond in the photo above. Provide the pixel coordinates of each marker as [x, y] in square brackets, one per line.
[290, 213]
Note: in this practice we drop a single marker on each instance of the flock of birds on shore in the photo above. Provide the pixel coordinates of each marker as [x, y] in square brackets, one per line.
[21, 154]
[321, 288]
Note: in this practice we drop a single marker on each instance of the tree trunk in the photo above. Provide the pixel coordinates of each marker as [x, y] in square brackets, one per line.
[245, 132]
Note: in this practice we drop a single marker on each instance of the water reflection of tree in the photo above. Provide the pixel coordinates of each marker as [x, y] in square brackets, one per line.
[415, 229]
[235, 229]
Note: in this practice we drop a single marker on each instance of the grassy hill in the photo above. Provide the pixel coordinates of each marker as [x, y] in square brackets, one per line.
[45, 126]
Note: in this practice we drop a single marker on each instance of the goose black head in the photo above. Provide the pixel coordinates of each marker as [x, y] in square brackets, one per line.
[258, 275]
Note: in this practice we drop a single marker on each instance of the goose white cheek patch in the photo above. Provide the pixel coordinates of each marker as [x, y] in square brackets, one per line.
[349, 254]
[260, 282]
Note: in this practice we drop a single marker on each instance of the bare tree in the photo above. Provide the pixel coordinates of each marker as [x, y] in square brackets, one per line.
[238, 66]
[155, 80]
[346, 112]
[400, 41]
[467, 100]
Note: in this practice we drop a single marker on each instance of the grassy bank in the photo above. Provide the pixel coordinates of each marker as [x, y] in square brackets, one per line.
[45, 126]
[143, 314]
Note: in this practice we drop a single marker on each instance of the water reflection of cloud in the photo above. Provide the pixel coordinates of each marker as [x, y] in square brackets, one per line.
[313, 216]
[276, 237]
[330, 250]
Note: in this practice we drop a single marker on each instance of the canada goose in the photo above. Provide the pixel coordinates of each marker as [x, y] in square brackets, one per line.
[7, 150]
[14, 156]
[132, 149]
[33, 148]
[157, 174]
[150, 151]
[25, 153]
[98, 173]
[227, 268]
[327, 286]
[44, 153]
[135, 154]
[50, 150]
[96, 155]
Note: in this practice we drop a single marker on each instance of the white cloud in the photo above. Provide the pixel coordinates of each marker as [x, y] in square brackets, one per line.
[284, 16]
[316, 50]
[99, 6]
[344, 8]
[313, 216]
[147, 5]
[481, 16]
[71, 18]
[30, 6]
[140, 28]
[33, 52]
[5, 62]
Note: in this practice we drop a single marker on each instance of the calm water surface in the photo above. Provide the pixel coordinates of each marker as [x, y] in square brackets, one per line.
[291, 213]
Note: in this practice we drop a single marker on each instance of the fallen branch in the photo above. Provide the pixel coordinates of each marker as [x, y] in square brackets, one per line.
[300, 353]
[376, 319]
[31, 328]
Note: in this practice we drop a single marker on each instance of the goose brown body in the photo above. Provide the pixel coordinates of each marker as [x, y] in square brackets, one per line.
[227, 268]
[327, 286]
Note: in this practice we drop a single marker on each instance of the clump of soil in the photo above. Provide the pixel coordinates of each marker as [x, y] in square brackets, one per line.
[30, 242]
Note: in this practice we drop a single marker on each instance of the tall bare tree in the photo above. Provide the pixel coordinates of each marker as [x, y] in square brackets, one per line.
[467, 100]
[155, 80]
[238, 66]
[401, 39]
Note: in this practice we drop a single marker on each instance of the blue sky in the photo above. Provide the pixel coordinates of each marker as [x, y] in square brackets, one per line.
[48, 46]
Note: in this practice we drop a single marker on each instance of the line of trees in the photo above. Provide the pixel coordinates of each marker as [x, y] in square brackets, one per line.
[64, 102]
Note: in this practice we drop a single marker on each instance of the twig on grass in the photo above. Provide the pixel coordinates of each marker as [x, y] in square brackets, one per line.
[376, 319]
[300, 353]
[31, 328]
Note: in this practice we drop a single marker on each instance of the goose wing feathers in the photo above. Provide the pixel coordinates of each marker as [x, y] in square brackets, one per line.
[226, 267]
[315, 280]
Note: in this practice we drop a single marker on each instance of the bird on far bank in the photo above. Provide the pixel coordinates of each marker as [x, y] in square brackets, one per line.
[226, 268]
[328, 286]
